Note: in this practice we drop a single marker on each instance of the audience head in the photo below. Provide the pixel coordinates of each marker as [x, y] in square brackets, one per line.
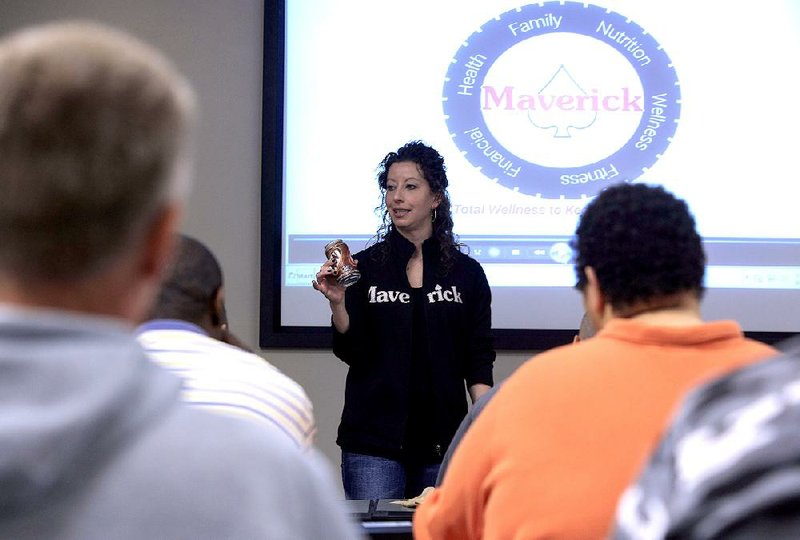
[193, 289]
[640, 244]
[94, 129]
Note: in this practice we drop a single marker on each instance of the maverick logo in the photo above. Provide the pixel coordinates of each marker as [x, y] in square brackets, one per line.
[557, 100]
[438, 295]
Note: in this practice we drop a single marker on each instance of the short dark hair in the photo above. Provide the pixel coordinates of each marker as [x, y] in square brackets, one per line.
[188, 292]
[642, 242]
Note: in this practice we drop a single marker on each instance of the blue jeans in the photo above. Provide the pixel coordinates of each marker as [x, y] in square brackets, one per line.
[372, 477]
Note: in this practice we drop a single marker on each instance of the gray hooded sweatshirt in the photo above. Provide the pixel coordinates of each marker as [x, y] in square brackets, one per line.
[94, 443]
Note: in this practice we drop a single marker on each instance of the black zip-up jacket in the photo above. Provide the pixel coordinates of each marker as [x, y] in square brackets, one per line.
[378, 343]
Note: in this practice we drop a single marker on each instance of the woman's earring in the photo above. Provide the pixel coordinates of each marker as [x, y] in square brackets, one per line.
[433, 216]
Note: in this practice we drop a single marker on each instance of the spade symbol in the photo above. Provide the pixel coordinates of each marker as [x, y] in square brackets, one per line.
[548, 115]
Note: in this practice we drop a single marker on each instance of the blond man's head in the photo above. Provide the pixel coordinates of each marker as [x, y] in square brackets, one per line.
[94, 140]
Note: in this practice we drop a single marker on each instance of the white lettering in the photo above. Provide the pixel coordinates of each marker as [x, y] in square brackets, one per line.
[548, 21]
[438, 295]
[457, 295]
[380, 297]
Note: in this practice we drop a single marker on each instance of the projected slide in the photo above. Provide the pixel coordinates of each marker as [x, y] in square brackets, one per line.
[536, 108]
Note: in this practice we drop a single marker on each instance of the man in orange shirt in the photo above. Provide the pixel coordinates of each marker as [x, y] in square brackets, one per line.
[554, 449]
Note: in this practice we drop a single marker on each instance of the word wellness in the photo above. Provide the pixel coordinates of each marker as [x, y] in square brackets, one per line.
[507, 99]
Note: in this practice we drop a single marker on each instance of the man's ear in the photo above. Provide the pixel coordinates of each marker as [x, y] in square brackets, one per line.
[219, 316]
[593, 298]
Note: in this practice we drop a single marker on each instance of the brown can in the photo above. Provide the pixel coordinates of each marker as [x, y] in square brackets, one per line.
[344, 267]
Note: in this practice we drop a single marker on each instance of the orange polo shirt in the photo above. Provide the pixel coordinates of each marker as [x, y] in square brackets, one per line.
[554, 449]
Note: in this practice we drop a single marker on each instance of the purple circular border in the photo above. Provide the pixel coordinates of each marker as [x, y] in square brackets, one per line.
[463, 113]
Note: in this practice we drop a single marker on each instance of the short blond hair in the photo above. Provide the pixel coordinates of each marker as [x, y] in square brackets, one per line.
[94, 132]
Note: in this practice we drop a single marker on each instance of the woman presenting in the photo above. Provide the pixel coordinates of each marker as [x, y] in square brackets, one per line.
[413, 330]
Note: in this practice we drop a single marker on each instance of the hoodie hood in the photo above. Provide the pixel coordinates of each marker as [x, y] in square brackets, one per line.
[68, 386]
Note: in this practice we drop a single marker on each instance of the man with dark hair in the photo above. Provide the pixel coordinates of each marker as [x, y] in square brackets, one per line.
[564, 435]
[193, 289]
[94, 441]
[187, 333]
[637, 245]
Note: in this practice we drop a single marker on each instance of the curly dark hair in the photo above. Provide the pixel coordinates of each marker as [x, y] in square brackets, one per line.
[642, 242]
[431, 165]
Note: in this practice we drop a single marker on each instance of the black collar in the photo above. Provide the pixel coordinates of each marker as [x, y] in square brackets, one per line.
[404, 249]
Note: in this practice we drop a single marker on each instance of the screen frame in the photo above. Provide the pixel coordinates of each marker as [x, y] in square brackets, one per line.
[272, 333]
